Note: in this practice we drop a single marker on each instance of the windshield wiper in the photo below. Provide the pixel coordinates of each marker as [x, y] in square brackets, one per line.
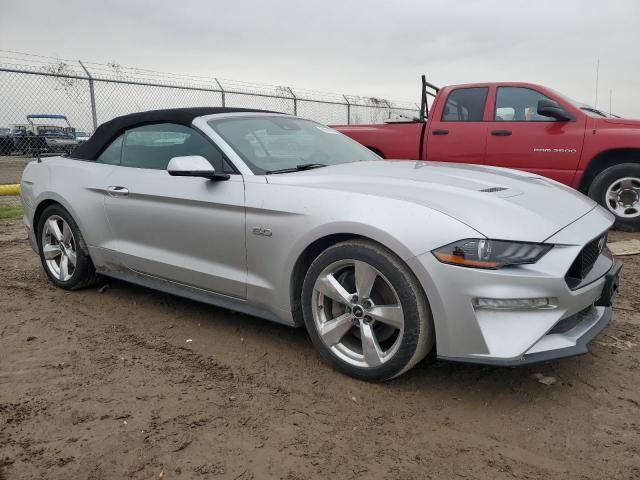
[297, 168]
[593, 110]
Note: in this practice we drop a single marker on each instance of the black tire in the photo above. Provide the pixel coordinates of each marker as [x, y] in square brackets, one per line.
[84, 274]
[418, 338]
[606, 178]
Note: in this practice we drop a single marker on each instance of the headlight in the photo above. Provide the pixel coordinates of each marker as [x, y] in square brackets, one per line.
[483, 253]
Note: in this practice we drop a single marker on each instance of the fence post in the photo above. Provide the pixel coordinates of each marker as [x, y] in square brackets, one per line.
[295, 101]
[92, 95]
[388, 107]
[348, 109]
[224, 102]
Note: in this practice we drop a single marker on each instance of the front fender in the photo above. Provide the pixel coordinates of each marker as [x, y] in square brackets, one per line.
[298, 217]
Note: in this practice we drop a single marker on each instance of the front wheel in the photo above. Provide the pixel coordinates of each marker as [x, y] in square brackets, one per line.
[366, 312]
[617, 188]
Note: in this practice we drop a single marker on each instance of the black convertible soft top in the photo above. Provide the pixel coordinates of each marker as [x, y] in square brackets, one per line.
[109, 131]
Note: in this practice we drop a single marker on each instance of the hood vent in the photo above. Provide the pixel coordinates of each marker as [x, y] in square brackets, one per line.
[493, 189]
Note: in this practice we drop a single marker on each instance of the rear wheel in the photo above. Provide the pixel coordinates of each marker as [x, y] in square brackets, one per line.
[365, 311]
[63, 253]
[617, 188]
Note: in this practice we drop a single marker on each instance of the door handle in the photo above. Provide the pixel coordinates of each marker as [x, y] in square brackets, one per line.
[117, 191]
[440, 132]
[501, 133]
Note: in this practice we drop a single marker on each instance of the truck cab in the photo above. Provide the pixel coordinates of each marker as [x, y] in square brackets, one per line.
[527, 127]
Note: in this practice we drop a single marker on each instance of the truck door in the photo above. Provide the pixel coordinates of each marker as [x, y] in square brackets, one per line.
[520, 138]
[457, 132]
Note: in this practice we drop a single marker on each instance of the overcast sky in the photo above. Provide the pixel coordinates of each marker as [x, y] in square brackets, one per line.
[374, 48]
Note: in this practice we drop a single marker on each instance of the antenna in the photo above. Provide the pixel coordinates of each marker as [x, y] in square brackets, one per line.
[595, 104]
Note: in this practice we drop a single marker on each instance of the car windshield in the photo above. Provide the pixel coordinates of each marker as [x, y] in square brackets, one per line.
[588, 109]
[275, 144]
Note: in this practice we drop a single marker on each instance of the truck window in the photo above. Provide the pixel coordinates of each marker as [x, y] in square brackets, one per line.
[519, 104]
[505, 114]
[465, 105]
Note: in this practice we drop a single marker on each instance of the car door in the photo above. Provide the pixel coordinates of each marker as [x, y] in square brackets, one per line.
[189, 230]
[520, 138]
[83, 185]
[458, 132]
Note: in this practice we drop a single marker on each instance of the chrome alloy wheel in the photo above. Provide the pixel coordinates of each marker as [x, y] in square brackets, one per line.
[623, 197]
[357, 313]
[59, 248]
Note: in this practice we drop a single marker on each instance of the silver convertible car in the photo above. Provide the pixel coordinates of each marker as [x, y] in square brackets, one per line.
[384, 262]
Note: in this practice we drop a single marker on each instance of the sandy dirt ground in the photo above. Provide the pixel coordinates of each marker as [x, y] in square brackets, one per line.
[106, 386]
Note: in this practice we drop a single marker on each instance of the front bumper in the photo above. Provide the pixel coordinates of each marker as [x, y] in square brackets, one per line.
[554, 345]
[519, 336]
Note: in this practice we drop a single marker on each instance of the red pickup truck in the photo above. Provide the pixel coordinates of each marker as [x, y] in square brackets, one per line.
[522, 126]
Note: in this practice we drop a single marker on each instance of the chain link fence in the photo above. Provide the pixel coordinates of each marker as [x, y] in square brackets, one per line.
[68, 99]
[49, 105]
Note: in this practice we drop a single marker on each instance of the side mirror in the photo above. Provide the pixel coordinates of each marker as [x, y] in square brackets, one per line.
[194, 166]
[550, 108]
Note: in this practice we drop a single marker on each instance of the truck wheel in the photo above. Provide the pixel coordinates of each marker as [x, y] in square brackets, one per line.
[617, 188]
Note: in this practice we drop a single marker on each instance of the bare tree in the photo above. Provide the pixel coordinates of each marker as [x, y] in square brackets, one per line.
[63, 75]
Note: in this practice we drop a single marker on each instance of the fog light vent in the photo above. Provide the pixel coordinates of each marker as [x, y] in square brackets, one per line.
[513, 303]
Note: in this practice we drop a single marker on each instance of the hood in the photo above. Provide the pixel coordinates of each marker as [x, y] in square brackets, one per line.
[499, 203]
[619, 121]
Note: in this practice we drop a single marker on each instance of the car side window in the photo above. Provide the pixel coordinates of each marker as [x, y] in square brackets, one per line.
[519, 104]
[153, 146]
[465, 105]
[111, 154]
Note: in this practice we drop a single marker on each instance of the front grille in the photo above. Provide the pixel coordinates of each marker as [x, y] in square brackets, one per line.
[566, 324]
[587, 257]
